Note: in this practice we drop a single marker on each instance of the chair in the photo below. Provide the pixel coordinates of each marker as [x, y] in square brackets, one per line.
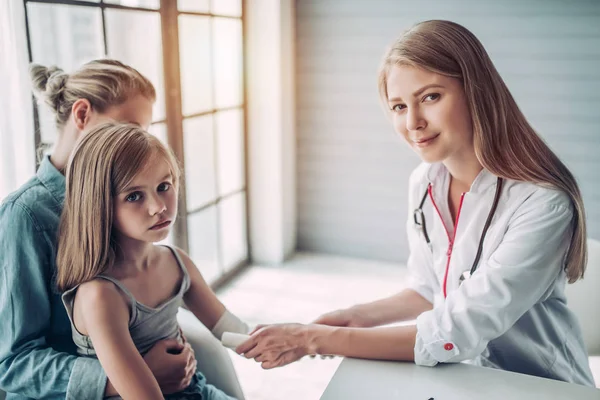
[583, 298]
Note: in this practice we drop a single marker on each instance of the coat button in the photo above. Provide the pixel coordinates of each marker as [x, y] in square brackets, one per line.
[448, 346]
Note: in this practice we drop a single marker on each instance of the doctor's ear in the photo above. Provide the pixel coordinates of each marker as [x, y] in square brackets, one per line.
[81, 112]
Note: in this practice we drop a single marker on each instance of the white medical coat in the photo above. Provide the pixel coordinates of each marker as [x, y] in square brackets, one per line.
[512, 313]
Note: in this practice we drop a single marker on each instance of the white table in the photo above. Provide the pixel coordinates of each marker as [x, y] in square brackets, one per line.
[366, 379]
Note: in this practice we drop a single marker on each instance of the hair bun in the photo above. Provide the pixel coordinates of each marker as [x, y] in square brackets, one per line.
[48, 84]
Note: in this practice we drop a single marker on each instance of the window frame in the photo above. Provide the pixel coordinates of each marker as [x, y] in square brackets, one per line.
[174, 117]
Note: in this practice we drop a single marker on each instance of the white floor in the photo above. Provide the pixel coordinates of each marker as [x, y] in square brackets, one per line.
[299, 291]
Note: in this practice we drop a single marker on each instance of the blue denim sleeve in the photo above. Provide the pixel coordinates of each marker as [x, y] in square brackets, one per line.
[28, 365]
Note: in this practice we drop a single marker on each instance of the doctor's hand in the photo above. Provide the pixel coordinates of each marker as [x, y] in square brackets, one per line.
[279, 345]
[352, 317]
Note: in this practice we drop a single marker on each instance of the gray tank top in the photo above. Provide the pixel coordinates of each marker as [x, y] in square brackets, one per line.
[147, 325]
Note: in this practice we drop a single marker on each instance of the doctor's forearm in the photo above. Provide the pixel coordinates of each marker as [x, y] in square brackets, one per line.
[404, 306]
[385, 343]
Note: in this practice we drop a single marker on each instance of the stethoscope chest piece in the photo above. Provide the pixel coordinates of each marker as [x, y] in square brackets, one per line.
[463, 277]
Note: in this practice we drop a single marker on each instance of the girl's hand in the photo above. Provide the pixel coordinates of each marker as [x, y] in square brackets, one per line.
[351, 317]
[278, 345]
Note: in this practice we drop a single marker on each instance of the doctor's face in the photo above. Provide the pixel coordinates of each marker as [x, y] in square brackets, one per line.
[430, 111]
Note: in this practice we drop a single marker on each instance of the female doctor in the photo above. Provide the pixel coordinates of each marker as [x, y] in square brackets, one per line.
[496, 228]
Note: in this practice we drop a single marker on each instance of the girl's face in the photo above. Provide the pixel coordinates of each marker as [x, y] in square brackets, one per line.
[146, 209]
[430, 111]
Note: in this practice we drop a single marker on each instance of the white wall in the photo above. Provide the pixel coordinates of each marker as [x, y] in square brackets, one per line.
[353, 171]
[269, 38]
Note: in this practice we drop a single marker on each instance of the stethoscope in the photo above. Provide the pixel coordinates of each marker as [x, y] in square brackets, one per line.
[419, 218]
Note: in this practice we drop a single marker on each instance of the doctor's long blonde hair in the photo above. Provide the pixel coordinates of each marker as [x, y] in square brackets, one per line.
[505, 143]
[103, 164]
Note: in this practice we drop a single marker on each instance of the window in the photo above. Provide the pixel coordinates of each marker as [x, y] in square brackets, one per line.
[198, 74]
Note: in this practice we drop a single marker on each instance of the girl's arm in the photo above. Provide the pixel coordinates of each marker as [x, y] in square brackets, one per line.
[205, 305]
[105, 316]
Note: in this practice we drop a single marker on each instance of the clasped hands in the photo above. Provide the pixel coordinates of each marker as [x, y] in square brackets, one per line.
[281, 344]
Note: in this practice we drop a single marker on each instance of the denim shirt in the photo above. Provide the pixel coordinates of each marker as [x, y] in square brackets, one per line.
[37, 354]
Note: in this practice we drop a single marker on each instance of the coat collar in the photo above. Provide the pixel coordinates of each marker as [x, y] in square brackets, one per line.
[437, 174]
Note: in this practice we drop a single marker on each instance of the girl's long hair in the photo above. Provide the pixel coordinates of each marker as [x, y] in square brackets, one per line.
[103, 164]
[505, 143]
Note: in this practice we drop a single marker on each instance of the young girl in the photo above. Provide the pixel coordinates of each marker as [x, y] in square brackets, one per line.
[496, 227]
[37, 354]
[121, 291]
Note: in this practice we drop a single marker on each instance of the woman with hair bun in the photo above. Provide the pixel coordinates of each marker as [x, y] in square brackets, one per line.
[38, 358]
